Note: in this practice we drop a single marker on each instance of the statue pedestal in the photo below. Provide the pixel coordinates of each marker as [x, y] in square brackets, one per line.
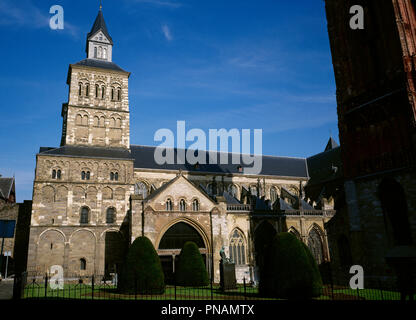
[227, 276]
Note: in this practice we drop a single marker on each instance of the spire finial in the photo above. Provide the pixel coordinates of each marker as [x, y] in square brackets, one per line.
[101, 5]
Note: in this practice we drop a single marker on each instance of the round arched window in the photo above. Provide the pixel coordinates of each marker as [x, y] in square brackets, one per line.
[84, 217]
[110, 216]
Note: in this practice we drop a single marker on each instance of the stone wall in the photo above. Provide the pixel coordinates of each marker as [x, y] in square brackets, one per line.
[57, 235]
[66, 246]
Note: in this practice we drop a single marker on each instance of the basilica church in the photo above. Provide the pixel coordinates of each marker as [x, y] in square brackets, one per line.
[95, 193]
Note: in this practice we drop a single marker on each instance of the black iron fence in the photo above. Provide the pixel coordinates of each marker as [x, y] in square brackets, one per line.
[98, 287]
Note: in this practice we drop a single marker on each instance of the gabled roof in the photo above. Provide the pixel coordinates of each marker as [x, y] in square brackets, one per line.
[273, 166]
[157, 192]
[98, 25]
[6, 185]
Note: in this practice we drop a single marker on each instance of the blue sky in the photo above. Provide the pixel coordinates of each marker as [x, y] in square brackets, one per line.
[213, 63]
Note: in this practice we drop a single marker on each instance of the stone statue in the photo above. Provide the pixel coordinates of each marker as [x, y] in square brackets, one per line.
[227, 272]
[223, 256]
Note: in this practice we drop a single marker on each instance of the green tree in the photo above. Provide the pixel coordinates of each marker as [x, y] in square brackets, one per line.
[190, 269]
[142, 270]
[290, 271]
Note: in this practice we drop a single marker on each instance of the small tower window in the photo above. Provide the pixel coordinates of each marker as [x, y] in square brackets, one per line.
[119, 94]
[85, 175]
[87, 90]
[84, 218]
[58, 174]
[168, 205]
[112, 176]
[182, 205]
[102, 92]
[195, 205]
[83, 264]
[97, 89]
[54, 174]
[80, 89]
[112, 93]
[105, 53]
[110, 215]
[95, 52]
[116, 176]
[100, 52]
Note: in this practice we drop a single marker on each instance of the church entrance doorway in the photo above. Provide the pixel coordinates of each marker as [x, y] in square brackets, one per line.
[171, 244]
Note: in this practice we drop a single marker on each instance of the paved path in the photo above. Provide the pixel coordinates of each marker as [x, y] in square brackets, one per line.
[6, 289]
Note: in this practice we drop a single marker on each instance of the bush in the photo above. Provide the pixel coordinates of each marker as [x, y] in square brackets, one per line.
[290, 271]
[190, 270]
[142, 270]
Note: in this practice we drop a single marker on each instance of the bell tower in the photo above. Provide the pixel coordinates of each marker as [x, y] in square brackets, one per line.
[97, 113]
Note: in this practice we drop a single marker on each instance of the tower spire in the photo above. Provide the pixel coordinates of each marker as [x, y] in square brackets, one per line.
[99, 42]
[101, 5]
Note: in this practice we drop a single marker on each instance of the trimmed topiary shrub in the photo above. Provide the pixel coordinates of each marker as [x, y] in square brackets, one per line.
[190, 269]
[290, 271]
[142, 271]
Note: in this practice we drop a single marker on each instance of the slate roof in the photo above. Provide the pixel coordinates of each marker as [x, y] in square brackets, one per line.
[95, 63]
[283, 205]
[88, 152]
[325, 166]
[144, 159]
[6, 185]
[99, 24]
[229, 198]
[273, 166]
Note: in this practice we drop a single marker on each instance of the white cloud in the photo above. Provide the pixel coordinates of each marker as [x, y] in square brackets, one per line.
[25, 14]
[166, 32]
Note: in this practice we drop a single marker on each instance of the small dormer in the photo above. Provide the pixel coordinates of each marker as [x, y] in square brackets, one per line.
[99, 42]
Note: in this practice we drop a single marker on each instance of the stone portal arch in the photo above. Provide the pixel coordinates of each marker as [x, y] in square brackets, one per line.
[172, 239]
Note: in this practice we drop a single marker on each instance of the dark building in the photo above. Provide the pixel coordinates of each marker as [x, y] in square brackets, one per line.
[375, 73]
[19, 215]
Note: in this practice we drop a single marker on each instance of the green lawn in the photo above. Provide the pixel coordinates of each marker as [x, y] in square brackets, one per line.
[108, 292]
[84, 291]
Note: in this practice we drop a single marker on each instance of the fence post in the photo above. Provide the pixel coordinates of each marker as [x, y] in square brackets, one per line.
[381, 289]
[46, 285]
[174, 283]
[331, 280]
[92, 287]
[245, 293]
[212, 294]
[135, 287]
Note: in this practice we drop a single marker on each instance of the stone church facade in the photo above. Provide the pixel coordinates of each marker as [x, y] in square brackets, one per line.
[96, 193]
